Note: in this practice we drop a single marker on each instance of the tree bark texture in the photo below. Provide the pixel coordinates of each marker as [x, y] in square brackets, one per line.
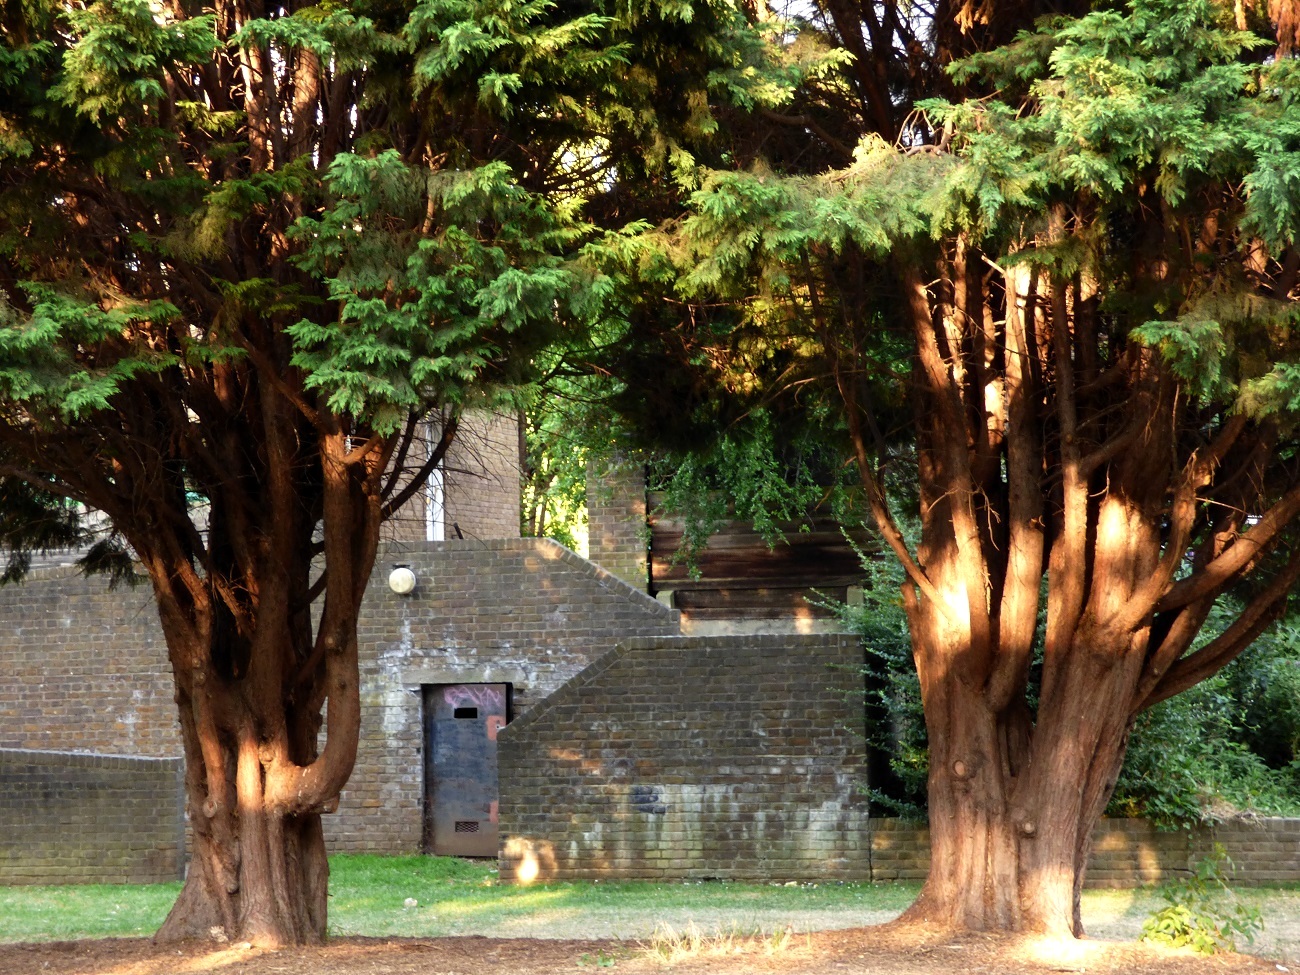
[1079, 514]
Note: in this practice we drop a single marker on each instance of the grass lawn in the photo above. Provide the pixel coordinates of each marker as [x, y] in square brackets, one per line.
[369, 896]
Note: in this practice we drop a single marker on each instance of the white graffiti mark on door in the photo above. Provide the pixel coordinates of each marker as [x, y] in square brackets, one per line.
[485, 698]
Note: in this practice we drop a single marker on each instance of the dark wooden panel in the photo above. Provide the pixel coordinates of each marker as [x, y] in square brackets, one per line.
[737, 557]
[754, 604]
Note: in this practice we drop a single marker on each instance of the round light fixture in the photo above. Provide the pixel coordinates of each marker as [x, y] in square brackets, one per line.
[402, 580]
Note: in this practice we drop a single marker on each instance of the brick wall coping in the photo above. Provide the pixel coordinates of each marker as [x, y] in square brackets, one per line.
[547, 548]
[84, 759]
[571, 690]
[47, 573]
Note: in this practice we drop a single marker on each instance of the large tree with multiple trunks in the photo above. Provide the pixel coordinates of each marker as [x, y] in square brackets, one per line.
[1059, 297]
[244, 248]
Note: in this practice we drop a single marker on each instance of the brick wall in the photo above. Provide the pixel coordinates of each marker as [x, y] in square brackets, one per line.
[1130, 852]
[1125, 852]
[730, 757]
[82, 819]
[716, 757]
[616, 519]
[483, 477]
[481, 483]
[523, 611]
[83, 667]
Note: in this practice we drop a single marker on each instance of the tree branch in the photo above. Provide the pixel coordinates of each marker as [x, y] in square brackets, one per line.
[1263, 610]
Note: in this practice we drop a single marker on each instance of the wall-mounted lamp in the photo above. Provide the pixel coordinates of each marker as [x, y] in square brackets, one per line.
[402, 580]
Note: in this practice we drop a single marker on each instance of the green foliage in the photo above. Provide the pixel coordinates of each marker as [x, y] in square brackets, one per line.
[1187, 764]
[1203, 912]
[1228, 747]
[1194, 350]
[895, 717]
[429, 267]
[1160, 97]
[758, 471]
[123, 50]
[1224, 748]
[514, 51]
[37, 520]
[36, 367]
[1159, 86]
[562, 429]
[397, 212]
[1266, 685]
[1274, 184]
[756, 222]
[429, 306]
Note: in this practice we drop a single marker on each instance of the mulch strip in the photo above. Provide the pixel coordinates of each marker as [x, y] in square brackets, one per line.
[891, 949]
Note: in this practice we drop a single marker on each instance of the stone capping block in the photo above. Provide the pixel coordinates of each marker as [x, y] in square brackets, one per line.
[547, 548]
[24, 756]
[573, 689]
[567, 692]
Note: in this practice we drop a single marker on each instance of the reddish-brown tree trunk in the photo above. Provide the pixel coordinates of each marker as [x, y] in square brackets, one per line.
[267, 696]
[274, 894]
[258, 871]
[1012, 807]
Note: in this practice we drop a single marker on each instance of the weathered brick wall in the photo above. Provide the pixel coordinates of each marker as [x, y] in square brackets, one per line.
[1130, 852]
[85, 819]
[84, 668]
[737, 757]
[523, 611]
[616, 519]
[1125, 852]
[483, 478]
[481, 483]
[731, 757]
[897, 849]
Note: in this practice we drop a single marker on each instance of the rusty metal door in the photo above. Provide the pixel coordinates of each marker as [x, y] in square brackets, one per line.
[461, 722]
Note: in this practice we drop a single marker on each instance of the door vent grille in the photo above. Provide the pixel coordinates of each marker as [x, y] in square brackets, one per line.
[466, 826]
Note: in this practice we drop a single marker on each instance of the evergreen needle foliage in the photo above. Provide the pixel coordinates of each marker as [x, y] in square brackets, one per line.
[246, 251]
[1048, 294]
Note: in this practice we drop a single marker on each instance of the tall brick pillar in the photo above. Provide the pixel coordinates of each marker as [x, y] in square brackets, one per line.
[616, 519]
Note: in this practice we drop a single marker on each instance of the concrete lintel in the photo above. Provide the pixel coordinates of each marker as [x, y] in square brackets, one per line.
[484, 674]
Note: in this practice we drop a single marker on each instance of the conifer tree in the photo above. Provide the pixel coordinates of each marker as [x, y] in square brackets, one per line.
[1066, 312]
[244, 248]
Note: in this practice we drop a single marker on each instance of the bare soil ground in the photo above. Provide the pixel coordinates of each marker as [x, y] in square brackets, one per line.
[883, 950]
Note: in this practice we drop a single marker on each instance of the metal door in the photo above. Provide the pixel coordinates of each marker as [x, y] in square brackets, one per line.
[461, 722]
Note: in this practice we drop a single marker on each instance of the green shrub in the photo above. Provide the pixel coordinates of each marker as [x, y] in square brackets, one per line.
[1226, 746]
[1202, 912]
